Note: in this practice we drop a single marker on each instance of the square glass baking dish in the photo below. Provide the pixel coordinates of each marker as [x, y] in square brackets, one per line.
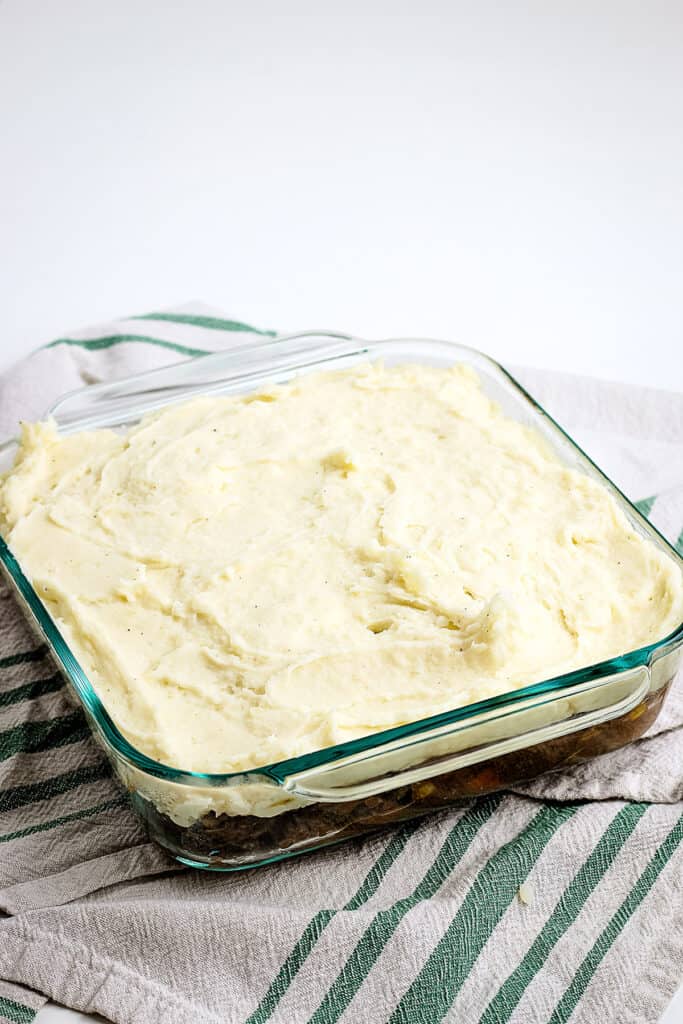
[243, 819]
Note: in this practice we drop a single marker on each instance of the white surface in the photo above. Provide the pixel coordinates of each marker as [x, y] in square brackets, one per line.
[509, 176]
[673, 1015]
[51, 1013]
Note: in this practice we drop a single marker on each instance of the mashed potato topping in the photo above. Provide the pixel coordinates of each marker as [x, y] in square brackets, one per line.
[247, 579]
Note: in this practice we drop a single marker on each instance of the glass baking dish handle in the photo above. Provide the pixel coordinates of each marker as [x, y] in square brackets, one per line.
[536, 719]
[231, 371]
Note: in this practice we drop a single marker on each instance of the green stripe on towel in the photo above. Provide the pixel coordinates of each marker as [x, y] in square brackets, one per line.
[644, 506]
[30, 691]
[20, 796]
[31, 737]
[97, 344]
[434, 989]
[568, 908]
[16, 1012]
[604, 942]
[19, 659]
[375, 875]
[385, 923]
[46, 826]
[290, 968]
[317, 925]
[212, 323]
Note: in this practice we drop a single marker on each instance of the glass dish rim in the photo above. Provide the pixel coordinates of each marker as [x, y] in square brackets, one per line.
[278, 771]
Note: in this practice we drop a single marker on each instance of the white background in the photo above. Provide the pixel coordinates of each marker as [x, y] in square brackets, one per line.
[506, 175]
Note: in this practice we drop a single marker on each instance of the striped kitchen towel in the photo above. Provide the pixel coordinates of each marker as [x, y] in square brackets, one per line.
[559, 902]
